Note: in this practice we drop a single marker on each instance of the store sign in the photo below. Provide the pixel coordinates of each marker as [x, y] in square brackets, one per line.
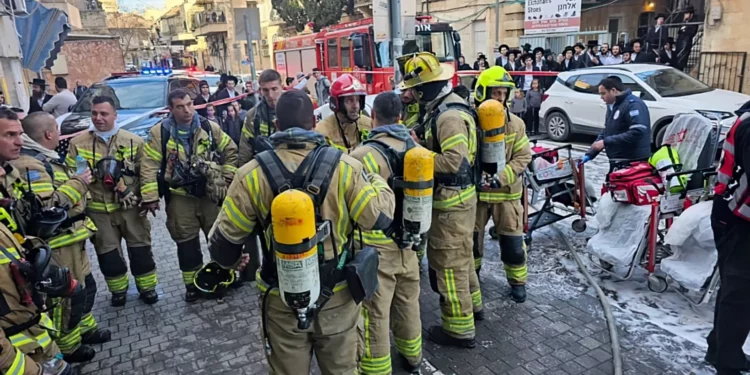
[552, 16]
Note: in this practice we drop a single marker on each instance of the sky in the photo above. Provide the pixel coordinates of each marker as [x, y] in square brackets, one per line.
[139, 5]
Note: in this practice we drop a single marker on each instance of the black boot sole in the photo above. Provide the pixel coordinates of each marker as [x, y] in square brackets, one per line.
[78, 356]
[97, 337]
[438, 336]
[149, 300]
[118, 302]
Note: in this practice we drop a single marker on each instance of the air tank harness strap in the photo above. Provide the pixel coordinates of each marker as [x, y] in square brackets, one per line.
[18, 328]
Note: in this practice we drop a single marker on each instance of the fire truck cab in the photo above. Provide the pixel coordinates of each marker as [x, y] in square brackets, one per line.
[350, 48]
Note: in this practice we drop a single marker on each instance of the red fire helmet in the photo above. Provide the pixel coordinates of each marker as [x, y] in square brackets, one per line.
[346, 85]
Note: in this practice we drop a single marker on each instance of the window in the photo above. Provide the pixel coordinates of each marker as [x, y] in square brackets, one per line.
[191, 86]
[588, 83]
[333, 53]
[570, 82]
[631, 84]
[383, 54]
[126, 94]
[345, 53]
[672, 83]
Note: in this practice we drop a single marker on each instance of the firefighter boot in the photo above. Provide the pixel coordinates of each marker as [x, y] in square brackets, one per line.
[149, 297]
[119, 299]
[191, 293]
[438, 336]
[408, 367]
[518, 293]
[98, 336]
[84, 353]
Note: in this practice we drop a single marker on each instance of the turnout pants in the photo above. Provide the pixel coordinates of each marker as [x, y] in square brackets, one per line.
[732, 311]
[332, 336]
[72, 317]
[449, 249]
[508, 219]
[395, 305]
[186, 217]
[15, 361]
[136, 230]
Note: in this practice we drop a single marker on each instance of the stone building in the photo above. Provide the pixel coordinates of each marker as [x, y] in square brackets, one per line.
[726, 37]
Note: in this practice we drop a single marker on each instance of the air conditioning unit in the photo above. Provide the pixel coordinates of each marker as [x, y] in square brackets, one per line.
[264, 42]
[17, 7]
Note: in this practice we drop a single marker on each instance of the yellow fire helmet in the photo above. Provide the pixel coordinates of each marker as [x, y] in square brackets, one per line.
[422, 67]
[492, 77]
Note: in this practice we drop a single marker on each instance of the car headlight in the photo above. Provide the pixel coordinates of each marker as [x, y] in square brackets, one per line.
[715, 115]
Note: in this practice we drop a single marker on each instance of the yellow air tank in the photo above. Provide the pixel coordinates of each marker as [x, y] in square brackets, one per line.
[492, 121]
[419, 170]
[293, 224]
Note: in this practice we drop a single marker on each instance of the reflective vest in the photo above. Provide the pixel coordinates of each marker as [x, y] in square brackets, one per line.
[731, 178]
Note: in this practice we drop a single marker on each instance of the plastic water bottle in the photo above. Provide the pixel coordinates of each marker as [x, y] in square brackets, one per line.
[81, 165]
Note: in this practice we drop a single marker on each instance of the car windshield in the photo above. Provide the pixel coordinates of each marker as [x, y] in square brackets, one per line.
[672, 82]
[127, 95]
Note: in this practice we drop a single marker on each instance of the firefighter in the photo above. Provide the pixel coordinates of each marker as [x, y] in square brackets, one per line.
[346, 196]
[198, 160]
[44, 172]
[500, 197]
[348, 126]
[259, 121]
[396, 303]
[449, 129]
[730, 221]
[410, 112]
[115, 155]
[23, 324]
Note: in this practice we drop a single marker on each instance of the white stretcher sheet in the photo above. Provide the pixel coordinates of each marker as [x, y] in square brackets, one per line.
[622, 227]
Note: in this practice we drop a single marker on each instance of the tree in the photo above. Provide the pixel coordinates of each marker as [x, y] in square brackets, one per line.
[131, 28]
[299, 13]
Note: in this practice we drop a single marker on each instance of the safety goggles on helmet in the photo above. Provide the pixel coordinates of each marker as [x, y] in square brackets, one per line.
[492, 77]
[109, 171]
[423, 67]
[212, 278]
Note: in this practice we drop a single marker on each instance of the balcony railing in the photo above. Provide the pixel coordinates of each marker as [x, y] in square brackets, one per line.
[210, 21]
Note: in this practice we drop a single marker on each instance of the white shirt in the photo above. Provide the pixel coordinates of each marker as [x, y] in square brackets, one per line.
[231, 93]
[527, 79]
[60, 103]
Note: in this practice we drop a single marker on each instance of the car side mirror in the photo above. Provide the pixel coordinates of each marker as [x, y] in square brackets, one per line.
[358, 50]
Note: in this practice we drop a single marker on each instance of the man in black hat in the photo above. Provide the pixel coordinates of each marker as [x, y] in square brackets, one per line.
[227, 92]
[590, 57]
[568, 63]
[657, 34]
[552, 64]
[39, 95]
[540, 65]
[503, 59]
[666, 55]
[685, 39]
[627, 54]
[577, 59]
[639, 55]
[481, 62]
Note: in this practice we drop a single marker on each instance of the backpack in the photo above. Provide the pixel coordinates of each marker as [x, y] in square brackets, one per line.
[467, 174]
[165, 135]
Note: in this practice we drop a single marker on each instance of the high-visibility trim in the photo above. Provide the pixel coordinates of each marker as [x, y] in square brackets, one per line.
[79, 235]
[366, 319]
[375, 366]
[223, 142]
[466, 194]
[342, 223]
[19, 340]
[477, 263]
[236, 216]
[117, 284]
[476, 298]
[173, 146]
[495, 197]
[103, 207]
[520, 144]
[69, 341]
[458, 324]
[409, 348]
[145, 283]
[12, 251]
[72, 193]
[126, 153]
[229, 168]
[151, 153]
[253, 185]
[517, 274]
[375, 237]
[61, 176]
[361, 200]
[149, 187]
[453, 141]
[87, 324]
[87, 154]
[450, 285]
[188, 277]
[333, 144]
[42, 187]
[247, 133]
[379, 185]
[510, 175]
[371, 165]
[18, 367]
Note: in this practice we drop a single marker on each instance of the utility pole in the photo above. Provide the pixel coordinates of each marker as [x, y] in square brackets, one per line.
[497, 24]
[397, 37]
[249, 48]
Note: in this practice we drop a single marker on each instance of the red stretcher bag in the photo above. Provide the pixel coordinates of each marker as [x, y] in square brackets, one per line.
[637, 184]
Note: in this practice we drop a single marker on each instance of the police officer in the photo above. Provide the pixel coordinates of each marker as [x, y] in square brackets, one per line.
[259, 122]
[730, 221]
[501, 197]
[396, 303]
[450, 131]
[198, 160]
[44, 172]
[23, 324]
[115, 155]
[353, 198]
[348, 126]
[627, 130]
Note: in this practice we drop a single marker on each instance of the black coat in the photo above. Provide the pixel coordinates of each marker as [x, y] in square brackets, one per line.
[666, 59]
[464, 66]
[223, 94]
[567, 65]
[521, 79]
[684, 45]
[656, 40]
[34, 105]
[644, 57]
[198, 101]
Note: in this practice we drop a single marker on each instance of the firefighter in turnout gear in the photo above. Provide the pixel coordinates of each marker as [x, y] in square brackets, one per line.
[410, 113]
[449, 130]
[115, 155]
[347, 127]
[346, 197]
[27, 347]
[500, 193]
[198, 160]
[44, 172]
[396, 303]
[730, 221]
[259, 125]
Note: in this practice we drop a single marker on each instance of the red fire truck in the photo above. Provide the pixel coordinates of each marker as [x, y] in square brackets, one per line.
[350, 48]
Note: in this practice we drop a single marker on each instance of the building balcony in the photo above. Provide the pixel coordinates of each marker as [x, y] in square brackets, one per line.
[274, 19]
[212, 20]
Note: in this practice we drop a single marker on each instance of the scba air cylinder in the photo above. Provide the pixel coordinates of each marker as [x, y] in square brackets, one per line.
[293, 223]
[419, 170]
[492, 121]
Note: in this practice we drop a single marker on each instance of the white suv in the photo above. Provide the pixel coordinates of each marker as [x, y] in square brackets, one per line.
[573, 105]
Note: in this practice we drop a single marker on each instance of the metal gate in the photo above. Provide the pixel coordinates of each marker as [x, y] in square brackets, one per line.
[722, 70]
[556, 42]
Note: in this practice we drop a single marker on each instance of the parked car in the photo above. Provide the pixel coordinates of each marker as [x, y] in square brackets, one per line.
[138, 98]
[572, 105]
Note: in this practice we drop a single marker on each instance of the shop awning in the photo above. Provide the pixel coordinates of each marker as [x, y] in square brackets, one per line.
[42, 33]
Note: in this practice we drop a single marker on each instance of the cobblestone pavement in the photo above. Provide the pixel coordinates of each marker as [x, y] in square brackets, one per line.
[554, 332]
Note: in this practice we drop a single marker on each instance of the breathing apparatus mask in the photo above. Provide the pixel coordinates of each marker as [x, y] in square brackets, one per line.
[37, 272]
[190, 175]
[109, 171]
